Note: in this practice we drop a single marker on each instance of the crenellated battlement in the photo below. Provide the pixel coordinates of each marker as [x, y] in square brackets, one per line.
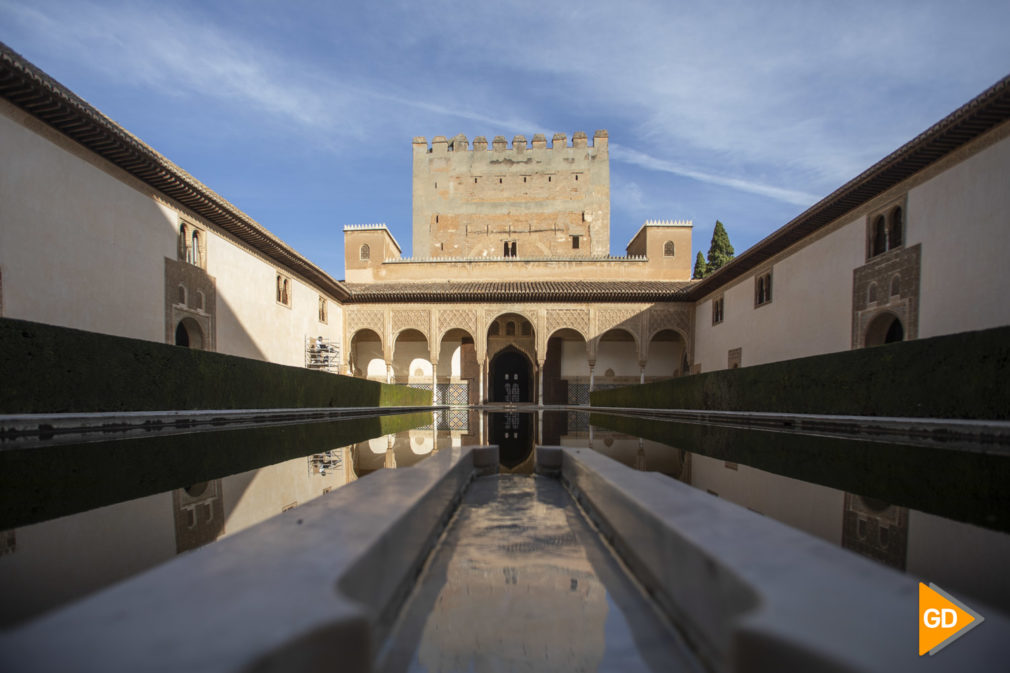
[366, 227]
[669, 223]
[459, 143]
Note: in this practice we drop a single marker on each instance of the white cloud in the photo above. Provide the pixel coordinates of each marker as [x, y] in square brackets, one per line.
[630, 156]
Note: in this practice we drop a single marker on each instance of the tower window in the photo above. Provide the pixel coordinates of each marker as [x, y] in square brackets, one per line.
[894, 237]
[717, 310]
[510, 328]
[668, 249]
[322, 310]
[509, 249]
[575, 242]
[283, 290]
[364, 252]
[763, 289]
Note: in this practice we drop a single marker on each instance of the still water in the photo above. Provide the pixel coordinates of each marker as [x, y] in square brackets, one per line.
[78, 518]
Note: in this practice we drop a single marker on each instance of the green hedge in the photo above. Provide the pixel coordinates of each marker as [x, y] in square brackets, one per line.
[48, 369]
[958, 376]
[37, 484]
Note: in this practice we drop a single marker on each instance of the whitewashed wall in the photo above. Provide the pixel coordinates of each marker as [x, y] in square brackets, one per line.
[83, 244]
[960, 216]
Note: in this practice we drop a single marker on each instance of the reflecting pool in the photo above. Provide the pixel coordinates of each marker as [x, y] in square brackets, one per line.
[78, 518]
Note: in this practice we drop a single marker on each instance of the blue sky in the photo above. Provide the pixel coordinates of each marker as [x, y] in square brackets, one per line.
[302, 113]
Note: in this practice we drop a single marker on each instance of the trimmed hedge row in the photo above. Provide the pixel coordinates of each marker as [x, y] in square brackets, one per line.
[963, 375]
[49, 369]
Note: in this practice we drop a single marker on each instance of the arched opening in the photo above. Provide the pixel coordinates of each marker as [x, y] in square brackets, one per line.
[879, 242]
[894, 233]
[411, 359]
[566, 369]
[666, 354]
[895, 285]
[617, 359]
[457, 369]
[511, 376]
[364, 252]
[668, 249]
[196, 248]
[871, 293]
[189, 334]
[366, 358]
[884, 329]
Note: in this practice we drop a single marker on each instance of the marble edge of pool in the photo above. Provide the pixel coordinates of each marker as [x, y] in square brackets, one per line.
[753, 594]
[302, 591]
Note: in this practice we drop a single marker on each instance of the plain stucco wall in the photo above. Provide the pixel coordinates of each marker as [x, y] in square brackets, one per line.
[959, 216]
[78, 247]
[83, 245]
[962, 219]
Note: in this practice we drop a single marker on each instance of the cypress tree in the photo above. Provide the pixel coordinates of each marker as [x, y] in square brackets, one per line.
[700, 267]
[720, 251]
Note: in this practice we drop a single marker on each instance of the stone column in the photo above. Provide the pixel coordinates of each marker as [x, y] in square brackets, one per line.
[480, 378]
[434, 382]
[389, 371]
[642, 377]
[390, 461]
[592, 375]
[540, 383]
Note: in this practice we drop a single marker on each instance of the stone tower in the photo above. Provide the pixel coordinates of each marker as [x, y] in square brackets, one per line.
[525, 201]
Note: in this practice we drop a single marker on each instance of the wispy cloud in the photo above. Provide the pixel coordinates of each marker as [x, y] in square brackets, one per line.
[630, 156]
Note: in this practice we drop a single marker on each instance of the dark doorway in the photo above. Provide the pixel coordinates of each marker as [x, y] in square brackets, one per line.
[513, 433]
[511, 377]
[894, 333]
[181, 336]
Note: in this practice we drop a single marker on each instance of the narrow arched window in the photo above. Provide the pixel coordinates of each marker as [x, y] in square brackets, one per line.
[280, 287]
[182, 295]
[285, 296]
[201, 301]
[513, 248]
[510, 328]
[668, 249]
[196, 248]
[505, 252]
[527, 329]
[894, 233]
[896, 285]
[183, 243]
[879, 243]
[364, 252]
[871, 293]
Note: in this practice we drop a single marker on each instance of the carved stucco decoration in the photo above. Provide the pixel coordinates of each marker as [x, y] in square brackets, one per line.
[358, 319]
[454, 318]
[572, 318]
[677, 320]
[419, 319]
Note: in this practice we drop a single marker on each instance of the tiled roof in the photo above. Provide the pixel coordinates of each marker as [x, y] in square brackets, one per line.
[30, 89]
[972, 120]
[546, 291]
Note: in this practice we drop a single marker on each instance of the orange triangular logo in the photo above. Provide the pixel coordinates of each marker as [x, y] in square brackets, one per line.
[942, 619]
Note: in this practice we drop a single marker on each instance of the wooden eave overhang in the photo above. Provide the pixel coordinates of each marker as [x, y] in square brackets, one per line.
[969, 122]
[27, 87]
[518, 291]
